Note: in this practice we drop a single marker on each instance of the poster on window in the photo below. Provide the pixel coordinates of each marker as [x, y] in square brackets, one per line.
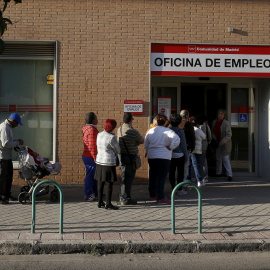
[164, 105]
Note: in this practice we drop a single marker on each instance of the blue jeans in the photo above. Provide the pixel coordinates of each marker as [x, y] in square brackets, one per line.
[195, 160]
[159, 169]
[127, 177]
[90, 184]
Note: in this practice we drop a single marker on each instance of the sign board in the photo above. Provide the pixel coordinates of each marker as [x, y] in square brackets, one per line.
[243, 117]
[210, 60]
[164, 105]
[49, 79]
[133, 106]
[234, 119]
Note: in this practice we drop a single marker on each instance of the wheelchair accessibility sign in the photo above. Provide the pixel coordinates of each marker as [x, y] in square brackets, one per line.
[243, 117]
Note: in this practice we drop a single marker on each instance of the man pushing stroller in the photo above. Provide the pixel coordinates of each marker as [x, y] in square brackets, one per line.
[7, 143]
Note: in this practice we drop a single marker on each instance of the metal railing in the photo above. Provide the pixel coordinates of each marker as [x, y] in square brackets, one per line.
[34, 205]
[199, 206]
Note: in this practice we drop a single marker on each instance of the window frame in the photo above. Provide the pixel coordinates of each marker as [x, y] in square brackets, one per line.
[55, 68]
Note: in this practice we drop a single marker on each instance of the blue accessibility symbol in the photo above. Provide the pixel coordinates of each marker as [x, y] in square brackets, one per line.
[243, 117]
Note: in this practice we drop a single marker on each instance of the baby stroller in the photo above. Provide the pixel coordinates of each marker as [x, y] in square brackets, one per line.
[33, 168]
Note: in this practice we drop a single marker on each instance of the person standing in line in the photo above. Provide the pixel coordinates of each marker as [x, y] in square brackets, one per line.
[189, 134]
[7, 143]
[179, 155]
[159, 143]
[188, 129]
[203, 125]
[195, 155]
[108, 150]
[222, 133]
[129, 139]
[90, 133]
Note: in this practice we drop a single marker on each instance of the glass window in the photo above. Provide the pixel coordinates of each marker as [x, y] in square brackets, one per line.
[24, 90]
[164, 91]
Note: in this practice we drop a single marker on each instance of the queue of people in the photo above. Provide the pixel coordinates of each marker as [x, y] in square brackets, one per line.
[173, 146]
[176, 146]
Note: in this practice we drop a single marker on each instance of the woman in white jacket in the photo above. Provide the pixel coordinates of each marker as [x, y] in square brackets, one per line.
[195, 157]
[159, 143]
[108, 150]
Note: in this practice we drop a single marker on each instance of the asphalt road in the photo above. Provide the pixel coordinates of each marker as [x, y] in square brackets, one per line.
[190, 261]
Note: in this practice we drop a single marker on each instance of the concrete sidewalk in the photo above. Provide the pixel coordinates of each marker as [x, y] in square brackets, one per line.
[235, 217]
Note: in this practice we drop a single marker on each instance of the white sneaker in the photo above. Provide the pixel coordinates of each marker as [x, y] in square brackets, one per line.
[91, 198]
[181, 192]
[201, 184]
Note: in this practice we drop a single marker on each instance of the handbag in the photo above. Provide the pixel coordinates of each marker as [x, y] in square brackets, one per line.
[136, 162]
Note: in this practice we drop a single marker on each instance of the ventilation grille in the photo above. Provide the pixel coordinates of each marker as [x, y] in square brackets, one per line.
[28, 50]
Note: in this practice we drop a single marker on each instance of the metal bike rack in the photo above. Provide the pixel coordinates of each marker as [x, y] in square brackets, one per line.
[199, 206]
[34, 205]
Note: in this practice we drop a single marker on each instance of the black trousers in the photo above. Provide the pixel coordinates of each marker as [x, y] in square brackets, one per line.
[108, 192]
[6, 177]
[179, 164]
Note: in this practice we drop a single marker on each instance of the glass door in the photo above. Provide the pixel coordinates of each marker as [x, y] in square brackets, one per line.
[169, 91]
[242, 119]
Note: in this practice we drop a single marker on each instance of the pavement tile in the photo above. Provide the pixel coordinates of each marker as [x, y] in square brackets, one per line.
[110, 236]
[193, 236]
[170, 236]
[131, 236]
[91, 236]
[253, 235]
[51, 236]
[266, 234]
[152, 236]
[9, 236]
[30, 236]
[228, 212]
[213, 236]
[234, 236]
[73, 236]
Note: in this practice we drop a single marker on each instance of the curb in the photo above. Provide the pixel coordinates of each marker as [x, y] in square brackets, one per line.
[121, 247]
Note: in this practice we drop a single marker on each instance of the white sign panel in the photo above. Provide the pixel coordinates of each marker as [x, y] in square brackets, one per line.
[133, 106]
[164, 105]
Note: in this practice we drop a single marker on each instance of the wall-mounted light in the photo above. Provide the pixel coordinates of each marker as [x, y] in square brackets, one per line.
[237, 31]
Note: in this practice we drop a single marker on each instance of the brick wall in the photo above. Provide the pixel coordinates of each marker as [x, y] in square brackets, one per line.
[104, 50]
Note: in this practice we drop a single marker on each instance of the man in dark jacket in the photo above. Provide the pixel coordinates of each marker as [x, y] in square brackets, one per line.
[129, 139]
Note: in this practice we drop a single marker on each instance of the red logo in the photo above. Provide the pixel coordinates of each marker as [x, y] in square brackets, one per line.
[192, 49]
[162, 110]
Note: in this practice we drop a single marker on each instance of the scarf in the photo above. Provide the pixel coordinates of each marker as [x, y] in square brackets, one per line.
[217, 130]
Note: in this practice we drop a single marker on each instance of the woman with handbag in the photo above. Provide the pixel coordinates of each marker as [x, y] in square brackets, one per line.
[222, 133]
[108, 150]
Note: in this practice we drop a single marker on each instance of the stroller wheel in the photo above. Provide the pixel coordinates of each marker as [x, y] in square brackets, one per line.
[54, 196]
[25, 188]
[24, 197]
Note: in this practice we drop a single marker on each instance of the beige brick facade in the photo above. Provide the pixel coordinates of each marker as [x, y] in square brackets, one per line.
[104, 50]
